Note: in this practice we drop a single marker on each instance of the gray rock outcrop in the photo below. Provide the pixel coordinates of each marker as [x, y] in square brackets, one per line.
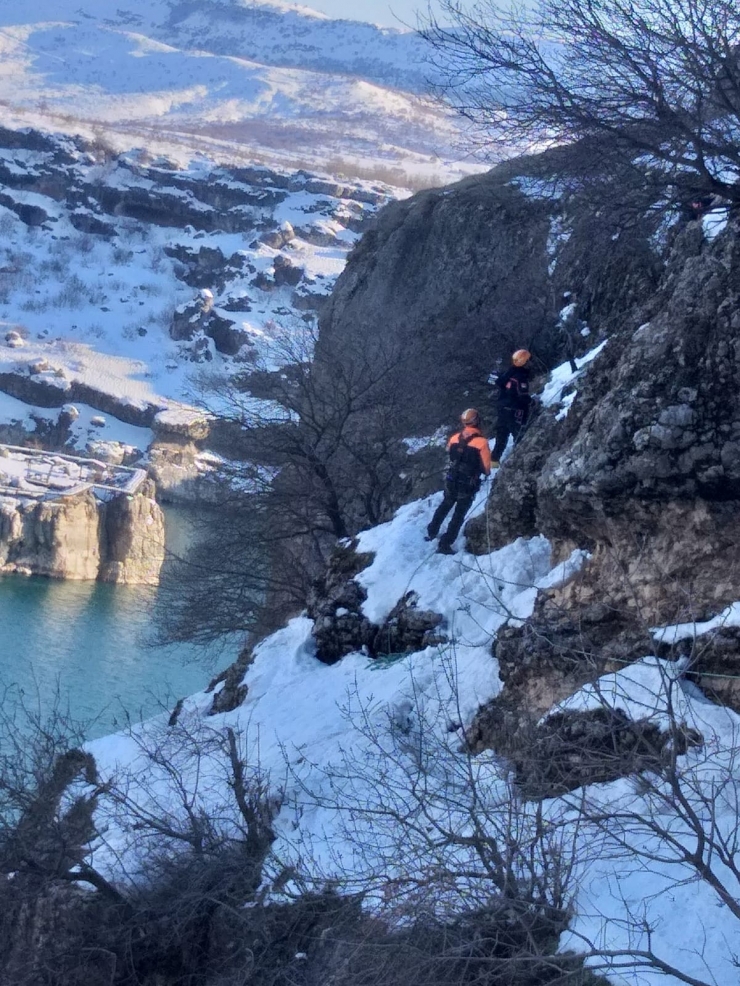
[569, 749]
[445, 281]
[644, 473]
[341, 627]
[645, 469]
[451, 280]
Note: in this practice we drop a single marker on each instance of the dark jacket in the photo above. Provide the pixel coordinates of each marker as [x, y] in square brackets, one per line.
[513, 389]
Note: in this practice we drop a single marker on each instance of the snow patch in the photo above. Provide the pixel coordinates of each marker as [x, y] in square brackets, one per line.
[729, 617]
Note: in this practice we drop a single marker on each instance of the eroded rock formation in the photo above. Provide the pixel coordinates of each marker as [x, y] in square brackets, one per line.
[78, 537]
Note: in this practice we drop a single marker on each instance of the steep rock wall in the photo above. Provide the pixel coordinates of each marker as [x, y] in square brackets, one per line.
[449, 281]
[645, 469]
[133, 536]
[77, 537]
[58, 538]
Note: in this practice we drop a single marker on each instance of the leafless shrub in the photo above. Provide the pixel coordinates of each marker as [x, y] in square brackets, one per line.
[654, 85]
[122, 255]
[202, 866]
[466, 880]
[7, 223]
[73, 295]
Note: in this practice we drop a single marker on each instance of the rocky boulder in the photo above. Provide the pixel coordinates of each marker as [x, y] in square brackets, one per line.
[229, 688]
[340, 626]
[335, 606]
[194, 320]
[407, 629]
[178, 473]
[285, 272]
[570, 749]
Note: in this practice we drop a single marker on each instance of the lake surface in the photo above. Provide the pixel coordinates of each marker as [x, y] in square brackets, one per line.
[88, 642]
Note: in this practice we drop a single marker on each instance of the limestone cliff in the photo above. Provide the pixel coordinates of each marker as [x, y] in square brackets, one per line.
[78, 537]
[133, 539]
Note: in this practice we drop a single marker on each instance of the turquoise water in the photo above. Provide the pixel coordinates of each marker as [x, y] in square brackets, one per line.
[87, 642]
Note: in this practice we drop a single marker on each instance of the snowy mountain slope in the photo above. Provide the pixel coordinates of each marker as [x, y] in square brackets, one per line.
[272, 33]
[97, 256]
[347, 739]
[247, 77]
[296, 704]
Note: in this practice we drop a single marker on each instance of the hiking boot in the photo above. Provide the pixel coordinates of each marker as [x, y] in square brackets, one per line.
[495, 463]
[429, 536]
[443, 548]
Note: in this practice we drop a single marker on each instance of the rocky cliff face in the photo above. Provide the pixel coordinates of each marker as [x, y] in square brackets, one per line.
[451, 280]
[77, 537]
[59, 538]
[643, 472]
[645, 469]
[134, 540]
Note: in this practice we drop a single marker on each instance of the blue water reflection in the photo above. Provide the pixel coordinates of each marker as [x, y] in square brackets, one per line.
[89, 641]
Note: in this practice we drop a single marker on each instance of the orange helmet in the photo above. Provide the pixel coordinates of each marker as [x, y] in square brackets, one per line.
[470, 417]
[521, 357]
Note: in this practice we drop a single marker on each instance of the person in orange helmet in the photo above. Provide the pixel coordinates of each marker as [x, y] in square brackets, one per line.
[514, 402]
[470, 458]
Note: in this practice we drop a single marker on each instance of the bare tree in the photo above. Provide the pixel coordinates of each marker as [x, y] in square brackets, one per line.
[470, 882]
[168, 849]
[674, 827]
[653, 84]
[327, 423]
[316, 456]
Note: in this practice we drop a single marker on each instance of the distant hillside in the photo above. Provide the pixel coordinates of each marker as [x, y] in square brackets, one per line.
[272, 80]
[272, 33]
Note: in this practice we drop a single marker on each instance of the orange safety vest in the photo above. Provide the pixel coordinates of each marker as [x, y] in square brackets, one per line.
[474, 439]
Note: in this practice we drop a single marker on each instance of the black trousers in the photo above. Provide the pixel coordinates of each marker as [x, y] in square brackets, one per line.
[511, 422]
[462, 502]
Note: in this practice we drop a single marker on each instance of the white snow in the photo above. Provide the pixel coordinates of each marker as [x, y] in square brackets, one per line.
[729, 617]
[641, 690]
[564, 376]
[32, 473]
[303, 725]
[437, 439]
[636, 889]
[230, 79]
[84, 309]
[83, 431]
[713, 223]
[296, 708]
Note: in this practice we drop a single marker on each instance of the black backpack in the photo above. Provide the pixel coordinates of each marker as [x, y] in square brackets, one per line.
[465, 466]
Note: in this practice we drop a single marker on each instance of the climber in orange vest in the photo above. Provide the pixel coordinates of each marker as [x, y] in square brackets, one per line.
[470, 458]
